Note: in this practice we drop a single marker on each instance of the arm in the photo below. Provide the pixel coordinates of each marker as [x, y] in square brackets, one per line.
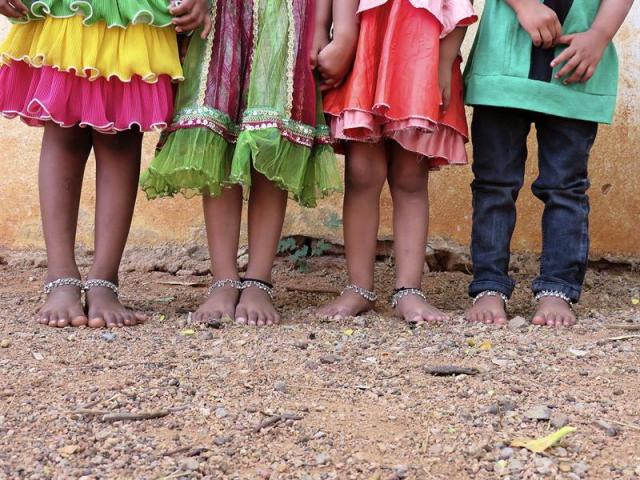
[335, 61]
[539, 21]
[323, 26]
[585, 50]
[191, 14]
[15, 9]
[449, 50]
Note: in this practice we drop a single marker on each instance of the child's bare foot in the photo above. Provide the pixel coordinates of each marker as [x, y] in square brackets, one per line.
[221, 303]
[348, 304]
[489, 309]
[411, 305]
[105, 309]
[63, 307]
[554, 312]
[256, 307]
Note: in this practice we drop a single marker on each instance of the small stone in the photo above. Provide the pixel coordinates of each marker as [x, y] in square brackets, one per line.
[329, 359]
[190, 464]
[609, 429]
[103, 435]
[539, 412]
[618, 392]
[108, 336]
[280, 387]
[515, 465]
[564, 467]
[493, 409]
[221, 412]
[174, 382]
[220, 441]
[580, 468]
[506, 453]
[559, 420]
[544, 465]
[302, 345]
[207, 336]
[322, 459]
[401, 471]
[517, 323]
[5, 343]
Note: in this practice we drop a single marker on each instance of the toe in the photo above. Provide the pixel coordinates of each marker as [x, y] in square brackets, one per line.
[53, 319]
[488, 317]
[500, 319]
[141, 317]
[539, 319]
[97, 321]
[63, 320]
[551, 319]
[43, 318]
[241, 315]
[261, 320]
[276, 319]
[252, 319]
[110, 319]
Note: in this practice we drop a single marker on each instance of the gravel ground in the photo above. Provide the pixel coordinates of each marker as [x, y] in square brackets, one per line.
[314, 399]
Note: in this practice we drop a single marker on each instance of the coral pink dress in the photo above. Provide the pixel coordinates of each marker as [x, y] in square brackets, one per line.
[393, 90]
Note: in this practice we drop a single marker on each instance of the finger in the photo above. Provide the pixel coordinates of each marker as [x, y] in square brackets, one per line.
[9, 11]
[20, 6]
[446, 99]
[185, 7]
[547, 38]
[185, 20]
[325, 88]
[206, 29]
[588, 74]
[557, 30]
[536, 38]
[578, 73]
[565, 39]
[563, 57]
[569, 66]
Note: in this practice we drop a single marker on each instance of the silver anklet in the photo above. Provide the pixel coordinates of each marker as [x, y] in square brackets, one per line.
[63, 282]
[260, 284]
[227, 282]
[96, 282]
[553, 293]
[400, 293]
[368, 295]
[490, 293]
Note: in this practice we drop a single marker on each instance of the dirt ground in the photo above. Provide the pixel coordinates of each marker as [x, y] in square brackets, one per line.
[314, 399]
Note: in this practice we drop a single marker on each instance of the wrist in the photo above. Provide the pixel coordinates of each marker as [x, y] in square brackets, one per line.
[602, 34]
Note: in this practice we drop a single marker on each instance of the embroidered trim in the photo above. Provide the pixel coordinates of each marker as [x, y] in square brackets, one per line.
[206, 63]
[291, 58]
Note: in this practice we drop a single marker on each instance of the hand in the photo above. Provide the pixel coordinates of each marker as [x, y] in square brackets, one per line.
[581, 57]
[190, 15]
[13, 8]
[445, 73]
[540, 22]
[335, 61]
[320, 41]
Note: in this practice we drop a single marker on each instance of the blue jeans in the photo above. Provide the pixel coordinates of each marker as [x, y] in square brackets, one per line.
[500, 153]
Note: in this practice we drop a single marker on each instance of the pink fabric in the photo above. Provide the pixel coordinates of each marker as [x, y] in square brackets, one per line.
[441, 143]
[38, 95]
[450, 13]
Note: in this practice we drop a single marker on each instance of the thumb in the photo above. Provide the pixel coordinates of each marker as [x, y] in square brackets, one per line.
[566, 39]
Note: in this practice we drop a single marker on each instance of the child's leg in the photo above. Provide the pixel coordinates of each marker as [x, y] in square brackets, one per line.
[222, 216]
[366, 172]
[500, 153]
[62, 162]
[267, 208]
[117, 172]
[408, 182]
[562, 185]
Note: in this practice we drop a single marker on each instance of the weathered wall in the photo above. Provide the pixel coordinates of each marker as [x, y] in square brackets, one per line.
[615, 172]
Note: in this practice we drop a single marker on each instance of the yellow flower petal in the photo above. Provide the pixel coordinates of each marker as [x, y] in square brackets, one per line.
[539, 445]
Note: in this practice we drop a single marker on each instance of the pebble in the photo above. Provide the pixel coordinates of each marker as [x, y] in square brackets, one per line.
[5, 343]
[302, 345]
[580, 468]
[220, 440]
[221, 412]
[280, 387]
[515, 465]
[207, 336]
[108, 336]
[517, 323]
[539, 412]
[609, 429]
[190, 464]
[544, 465]
[322, 459]
[506, 453]
[559, 420]
[329, 359]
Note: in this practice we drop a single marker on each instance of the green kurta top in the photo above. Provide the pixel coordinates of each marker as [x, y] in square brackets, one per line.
[503, 69]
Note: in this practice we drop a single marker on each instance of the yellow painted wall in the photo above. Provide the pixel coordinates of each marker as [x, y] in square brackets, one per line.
[615, 170]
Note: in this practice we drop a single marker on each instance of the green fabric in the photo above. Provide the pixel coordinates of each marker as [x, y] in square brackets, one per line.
[116, 13]
[207, 150]
[498, 69]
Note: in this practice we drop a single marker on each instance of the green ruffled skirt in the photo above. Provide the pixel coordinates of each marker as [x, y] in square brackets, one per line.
[250, 102]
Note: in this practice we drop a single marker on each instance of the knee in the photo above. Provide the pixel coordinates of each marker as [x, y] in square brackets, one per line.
[408, 178]
[363, 176]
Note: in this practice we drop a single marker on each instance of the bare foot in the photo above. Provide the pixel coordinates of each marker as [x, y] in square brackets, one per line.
[489, 310]
[105, 310]
[221, 304]
[63, 308]
[348, 304]
[554, 312]
[255, 309]
[414, 309]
